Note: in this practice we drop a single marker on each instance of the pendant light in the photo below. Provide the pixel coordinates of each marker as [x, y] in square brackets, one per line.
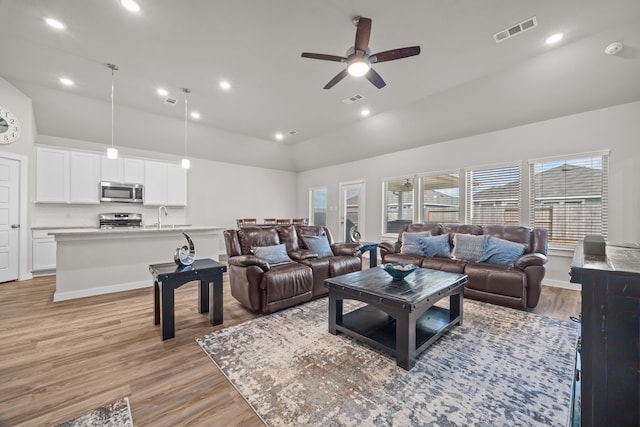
[185, 161]
[112, 152]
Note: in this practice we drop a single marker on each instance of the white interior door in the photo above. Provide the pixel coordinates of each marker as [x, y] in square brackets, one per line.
[9, 218]
[351, 209]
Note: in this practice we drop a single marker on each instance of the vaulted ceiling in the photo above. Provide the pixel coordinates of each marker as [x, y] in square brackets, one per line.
[463, 82]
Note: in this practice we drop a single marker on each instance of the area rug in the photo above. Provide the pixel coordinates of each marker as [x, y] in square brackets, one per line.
[115, 414]
[502, 367]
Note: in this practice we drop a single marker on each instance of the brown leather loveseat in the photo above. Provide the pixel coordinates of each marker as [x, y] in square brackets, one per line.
[291, 278]
[515, 285]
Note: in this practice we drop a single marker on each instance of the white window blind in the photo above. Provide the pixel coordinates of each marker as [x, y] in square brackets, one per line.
[398, 203]
[493, 195]
[441, 197]
[569, 197]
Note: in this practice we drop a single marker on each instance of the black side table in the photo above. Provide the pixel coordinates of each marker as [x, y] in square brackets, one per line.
[372, 248]
[168, 276]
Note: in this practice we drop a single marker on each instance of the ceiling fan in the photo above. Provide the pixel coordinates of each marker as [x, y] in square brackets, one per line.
[359, 58]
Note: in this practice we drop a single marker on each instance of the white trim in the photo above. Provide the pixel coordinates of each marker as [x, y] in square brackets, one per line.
[561, 284]
[24, 231]
[571, 156]
[101, 290]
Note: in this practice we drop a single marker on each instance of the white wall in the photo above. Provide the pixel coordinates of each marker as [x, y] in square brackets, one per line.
[615, 128]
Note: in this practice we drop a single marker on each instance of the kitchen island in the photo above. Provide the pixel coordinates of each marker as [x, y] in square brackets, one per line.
[93, 261]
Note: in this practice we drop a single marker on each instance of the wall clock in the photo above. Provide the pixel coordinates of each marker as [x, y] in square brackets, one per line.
[9, 126]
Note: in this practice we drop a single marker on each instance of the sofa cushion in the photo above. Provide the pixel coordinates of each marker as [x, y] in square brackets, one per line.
[257, 236]
[319, 245]
[403, 259]
[410, 245]
[444, 264]
[274, 255]
[501, 252]
[435, 246]
[468, 247]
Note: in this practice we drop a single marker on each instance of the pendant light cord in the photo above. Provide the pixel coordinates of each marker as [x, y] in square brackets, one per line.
[186, 118]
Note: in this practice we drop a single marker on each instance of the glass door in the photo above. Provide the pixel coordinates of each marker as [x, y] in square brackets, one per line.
[351, 210]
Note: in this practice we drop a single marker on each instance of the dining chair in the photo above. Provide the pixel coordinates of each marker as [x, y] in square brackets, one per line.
[300, 221]
[270, 221]
[283, 221]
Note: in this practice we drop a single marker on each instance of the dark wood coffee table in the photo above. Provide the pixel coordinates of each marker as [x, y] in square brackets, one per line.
[400, 317]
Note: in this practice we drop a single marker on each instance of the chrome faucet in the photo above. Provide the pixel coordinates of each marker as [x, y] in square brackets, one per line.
[160, 209]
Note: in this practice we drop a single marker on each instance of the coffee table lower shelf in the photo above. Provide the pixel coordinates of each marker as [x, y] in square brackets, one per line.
[378, 329]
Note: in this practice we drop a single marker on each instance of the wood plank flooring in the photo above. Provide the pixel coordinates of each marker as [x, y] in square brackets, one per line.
[59, 360]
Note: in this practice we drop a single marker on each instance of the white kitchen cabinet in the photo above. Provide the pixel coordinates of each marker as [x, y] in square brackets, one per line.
[130, 171]
[155, 178]
[176, 185]
[52, 175]
[43, 252]
[165, 184]
[84, 178]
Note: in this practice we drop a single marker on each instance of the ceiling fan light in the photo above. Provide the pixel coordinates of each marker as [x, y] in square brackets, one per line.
[358, 68]
[112, 153]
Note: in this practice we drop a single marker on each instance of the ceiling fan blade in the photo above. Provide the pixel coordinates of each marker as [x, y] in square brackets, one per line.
[362, 34]
[375, 78]
[324, 57]
[390, 55]
[341, 75]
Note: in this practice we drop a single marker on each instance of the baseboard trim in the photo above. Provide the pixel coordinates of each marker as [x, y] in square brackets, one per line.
[562, 284]
[63, 296]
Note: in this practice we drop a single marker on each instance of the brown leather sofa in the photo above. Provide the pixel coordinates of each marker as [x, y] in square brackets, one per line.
[259, 286]
[516, 286]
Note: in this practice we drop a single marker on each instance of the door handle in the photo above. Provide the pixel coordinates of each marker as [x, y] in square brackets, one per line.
[15, 225]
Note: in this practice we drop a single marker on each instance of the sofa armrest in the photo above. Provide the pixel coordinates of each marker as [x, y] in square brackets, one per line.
[249, 260]
[529, 260]
[346, 249]
[302, 254]
[388, 248]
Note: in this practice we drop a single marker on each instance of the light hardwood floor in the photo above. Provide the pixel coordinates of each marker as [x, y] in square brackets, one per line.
[59, 360]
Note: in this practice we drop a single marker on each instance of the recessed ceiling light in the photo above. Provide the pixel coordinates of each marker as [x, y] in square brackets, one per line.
[162, 92]
[195, 115]
[225, 85]
[554, 38]
[279, 136]
[67, 82]
[130, 5]
[54, 23]
[365, 112]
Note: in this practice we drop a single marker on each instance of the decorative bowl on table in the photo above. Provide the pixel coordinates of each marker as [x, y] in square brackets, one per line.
[398, 270]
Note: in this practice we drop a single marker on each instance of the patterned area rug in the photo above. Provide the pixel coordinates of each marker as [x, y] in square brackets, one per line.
[502, 367]
[116, 414]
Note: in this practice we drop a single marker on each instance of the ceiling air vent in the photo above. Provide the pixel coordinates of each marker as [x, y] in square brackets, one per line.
[169, 101]
[355, 98]
[516, 29]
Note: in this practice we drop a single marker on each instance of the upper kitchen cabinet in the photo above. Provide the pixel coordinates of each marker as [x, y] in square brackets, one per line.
[122, 170]
[165, 184]
[52, 175]
[64, 176]
[84, 178]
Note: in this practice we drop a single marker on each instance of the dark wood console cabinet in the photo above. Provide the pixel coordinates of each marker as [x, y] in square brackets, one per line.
[610, 341]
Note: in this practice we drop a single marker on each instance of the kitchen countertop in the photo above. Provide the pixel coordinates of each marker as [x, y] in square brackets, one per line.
[148, 229]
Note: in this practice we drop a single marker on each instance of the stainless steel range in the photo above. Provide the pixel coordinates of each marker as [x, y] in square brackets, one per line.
[120, 220]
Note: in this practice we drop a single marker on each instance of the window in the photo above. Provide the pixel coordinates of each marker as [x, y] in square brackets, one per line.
[569, 197]
[318, 206]
[398, 204]
[493, 195]
[441, 197]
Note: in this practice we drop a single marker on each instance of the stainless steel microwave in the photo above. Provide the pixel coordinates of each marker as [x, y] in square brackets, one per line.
[118, 192]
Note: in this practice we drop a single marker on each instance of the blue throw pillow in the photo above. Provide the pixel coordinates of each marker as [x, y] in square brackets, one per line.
[410, 245]
[502, 252]
[468, 247]
[437, 246]
[274, 255]
[319, 245]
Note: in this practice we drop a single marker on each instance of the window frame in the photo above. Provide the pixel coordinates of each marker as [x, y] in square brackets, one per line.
[604, 197]
[420, 196]
[468, 190]
[311, 205]
[384, 186]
